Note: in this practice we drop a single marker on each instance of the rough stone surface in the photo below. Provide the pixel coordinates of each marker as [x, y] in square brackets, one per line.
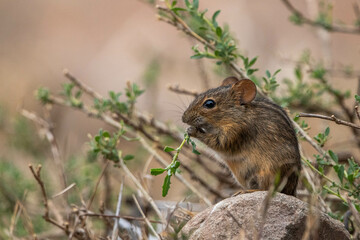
[238, 218]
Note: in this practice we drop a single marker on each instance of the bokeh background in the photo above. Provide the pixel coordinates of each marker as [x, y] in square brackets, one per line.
[107, 43]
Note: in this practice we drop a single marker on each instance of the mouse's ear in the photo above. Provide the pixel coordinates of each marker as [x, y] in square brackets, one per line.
[229, 81]
[245, 89]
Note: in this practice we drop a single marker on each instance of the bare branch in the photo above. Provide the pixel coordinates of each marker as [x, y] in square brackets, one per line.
[65, 190]
[97, 184]
[331, 118]
[177, 89]
[80, 85]
[49, 133]
[36, 174]
[117, 212]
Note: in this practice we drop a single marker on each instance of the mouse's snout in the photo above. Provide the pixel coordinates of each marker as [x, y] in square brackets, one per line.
[185, 117]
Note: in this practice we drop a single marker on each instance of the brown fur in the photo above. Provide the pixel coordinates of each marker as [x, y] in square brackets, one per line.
[253, 135]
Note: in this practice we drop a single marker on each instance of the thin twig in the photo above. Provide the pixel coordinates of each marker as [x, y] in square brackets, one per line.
[65, 190]
[331, 118]
[82, 86]
[177, 89]
[117, 212]
[48, 128]
[97, 184]
[90, 214]
[357, 112]
[141, 189]
[145, 218]
[36, 174]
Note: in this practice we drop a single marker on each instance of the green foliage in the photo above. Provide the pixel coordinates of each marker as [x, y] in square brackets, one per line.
[152, 72]
[172, 168]
[324, 17]
[43, 94]
[321, 138]
[73, 99]
[296, 19]
[26, 138]
[14, 186]
[270, 83]
[106, 144]
[133, 92]
[82, 172]
[357, 98]
[348, 176]
[113, 104]
[248, 64]
[224, 48]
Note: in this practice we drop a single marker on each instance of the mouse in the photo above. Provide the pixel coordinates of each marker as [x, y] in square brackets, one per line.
[253, 135]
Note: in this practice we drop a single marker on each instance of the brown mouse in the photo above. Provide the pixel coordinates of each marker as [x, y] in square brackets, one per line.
[253, 135]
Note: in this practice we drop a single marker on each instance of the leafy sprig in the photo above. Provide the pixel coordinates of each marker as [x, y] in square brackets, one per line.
[106, 144]
[172, 168]
[72, 99]
[114, 104]
[322, 138]
[43, 95]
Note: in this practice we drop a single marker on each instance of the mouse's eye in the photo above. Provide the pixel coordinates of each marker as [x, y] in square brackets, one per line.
[209, 103]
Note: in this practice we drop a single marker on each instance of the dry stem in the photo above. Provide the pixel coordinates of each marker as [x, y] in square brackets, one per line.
[331, 118]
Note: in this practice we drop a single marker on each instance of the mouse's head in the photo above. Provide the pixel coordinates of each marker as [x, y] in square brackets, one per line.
[217, 112]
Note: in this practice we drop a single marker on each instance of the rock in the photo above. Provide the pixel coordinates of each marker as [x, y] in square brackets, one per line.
[239, 218]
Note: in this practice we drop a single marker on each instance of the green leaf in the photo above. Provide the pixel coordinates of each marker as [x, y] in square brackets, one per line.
[339, 169]
[166, 185]
[196, 4]
[297, 117]
[334, 156]
[357, 98]
[276, 72]
[106, 134]
[157, 171]
[128, 157]
[252, 62]
[78, 94]
[178, 9]
[197, 56]
[268, 74]
[194, 147]
[214, 18]
[296, 19]
[168, 149]
[298, 73]
[219, 32]
[327, 131]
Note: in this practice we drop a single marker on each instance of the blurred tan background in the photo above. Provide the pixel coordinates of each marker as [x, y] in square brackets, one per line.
[107, 43]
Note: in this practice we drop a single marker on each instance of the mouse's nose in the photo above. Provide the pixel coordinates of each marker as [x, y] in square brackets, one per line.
[185, 117]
